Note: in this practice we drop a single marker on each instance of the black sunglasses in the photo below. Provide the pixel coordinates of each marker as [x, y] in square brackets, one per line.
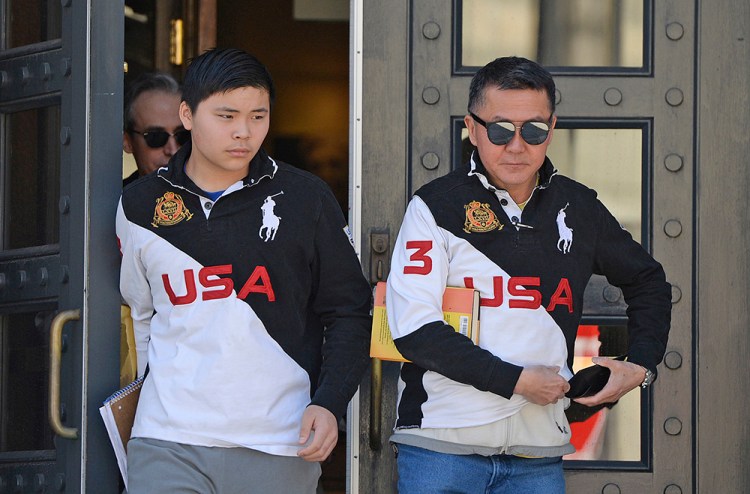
[501, 133]
[158, 138]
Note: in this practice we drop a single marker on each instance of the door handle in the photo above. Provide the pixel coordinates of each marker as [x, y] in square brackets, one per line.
[175, 41]
[55, 357]
[380, 242]
[376, 398]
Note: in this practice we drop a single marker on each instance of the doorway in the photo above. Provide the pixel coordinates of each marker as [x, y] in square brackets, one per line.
[305, 46]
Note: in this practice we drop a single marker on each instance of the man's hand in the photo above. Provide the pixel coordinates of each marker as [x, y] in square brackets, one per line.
[541, 384]
[324, 428]
[624, 377]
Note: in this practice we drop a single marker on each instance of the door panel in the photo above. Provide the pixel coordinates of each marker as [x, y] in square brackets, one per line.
[29, 258]
[384, 190]
[60, 148]
[637, 94]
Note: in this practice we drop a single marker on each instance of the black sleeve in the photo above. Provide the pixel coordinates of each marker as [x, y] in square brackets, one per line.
[439, 348]
[644, 287]
[342, 300]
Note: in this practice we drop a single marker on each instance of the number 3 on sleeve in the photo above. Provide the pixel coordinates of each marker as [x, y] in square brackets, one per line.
[420, 256]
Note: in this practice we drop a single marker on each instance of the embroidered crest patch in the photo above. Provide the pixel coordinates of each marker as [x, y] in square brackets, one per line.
[480, 218]
[170, 210]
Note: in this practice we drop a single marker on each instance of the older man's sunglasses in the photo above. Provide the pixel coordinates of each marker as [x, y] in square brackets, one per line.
[501, 133]
[158, 138]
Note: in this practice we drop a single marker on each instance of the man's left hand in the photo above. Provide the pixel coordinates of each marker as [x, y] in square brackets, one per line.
[324, 428]
[624, 376]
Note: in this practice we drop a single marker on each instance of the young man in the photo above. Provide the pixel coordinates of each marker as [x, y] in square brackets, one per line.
[153, 131]
[249, 304]
[491, 418]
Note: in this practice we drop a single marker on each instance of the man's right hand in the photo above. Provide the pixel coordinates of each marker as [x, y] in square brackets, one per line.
[541, 384]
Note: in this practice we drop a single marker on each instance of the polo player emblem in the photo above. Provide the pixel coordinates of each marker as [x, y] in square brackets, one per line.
[270, 220]
[480, 218]
[566, 233]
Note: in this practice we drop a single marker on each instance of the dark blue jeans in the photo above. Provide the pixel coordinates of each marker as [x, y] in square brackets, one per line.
[422, 471]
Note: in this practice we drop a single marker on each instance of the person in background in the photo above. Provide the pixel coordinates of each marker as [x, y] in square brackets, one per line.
[491, 417]
[250, 308]
[153, 131]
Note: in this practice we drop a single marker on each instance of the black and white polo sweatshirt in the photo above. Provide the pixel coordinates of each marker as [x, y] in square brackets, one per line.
[531, 267]
[232, 301]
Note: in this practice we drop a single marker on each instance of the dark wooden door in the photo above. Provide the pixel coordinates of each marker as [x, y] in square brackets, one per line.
[60, 155]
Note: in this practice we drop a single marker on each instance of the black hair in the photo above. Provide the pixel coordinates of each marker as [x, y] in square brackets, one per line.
[511, 73]
[219, 70]
[149, 81]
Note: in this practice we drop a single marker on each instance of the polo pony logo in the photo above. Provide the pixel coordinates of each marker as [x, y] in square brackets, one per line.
[270, 220]
[566, 233]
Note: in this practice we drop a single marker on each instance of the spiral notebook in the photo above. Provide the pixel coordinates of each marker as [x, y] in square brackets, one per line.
[118, 412]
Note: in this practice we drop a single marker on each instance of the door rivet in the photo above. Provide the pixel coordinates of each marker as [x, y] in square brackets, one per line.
[674, 97]
[611, 294]
[673, 426]
[676, 294]
[60, 482]
[4, 79]
[613, 96]
[46, 71]
[64, 205]
[673, 489]
[25, 75]
[39, 482]
[65, 67]
[431, 30]
[675, 31]
[673, 360]
[64, 277]
[65, 136]
[19, 482]
[673, 162]
[430, 95]
[430, 161]
[611, 489]
[43, 276]
[23, 277]
[673, 228]
[558, 96]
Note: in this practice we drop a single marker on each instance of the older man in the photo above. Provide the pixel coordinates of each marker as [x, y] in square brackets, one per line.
[490, 417]
[153, 130]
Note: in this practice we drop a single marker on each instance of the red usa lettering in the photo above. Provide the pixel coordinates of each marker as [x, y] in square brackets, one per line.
[523, 297]
[217, 288]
